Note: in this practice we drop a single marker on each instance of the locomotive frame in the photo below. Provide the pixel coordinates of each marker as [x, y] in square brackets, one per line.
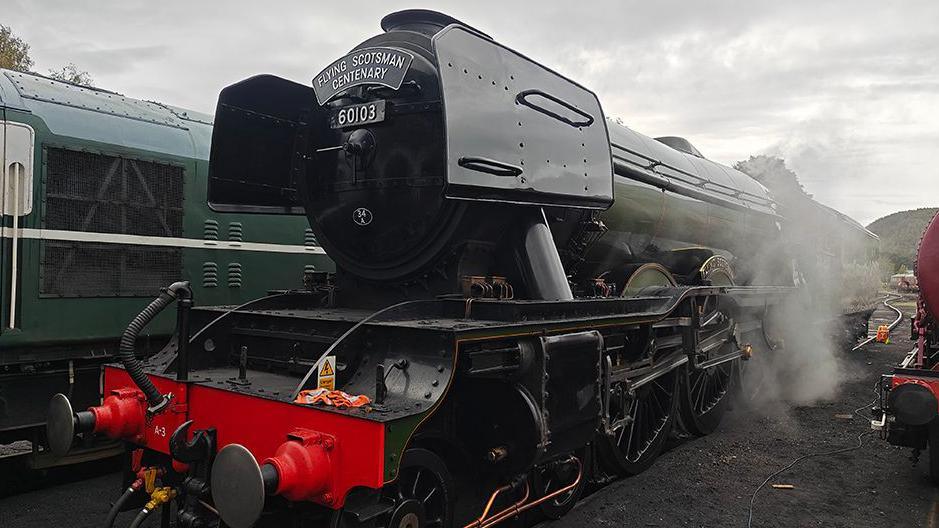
[586, 342]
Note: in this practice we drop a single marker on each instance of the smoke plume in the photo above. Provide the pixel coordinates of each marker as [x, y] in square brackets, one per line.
[800, 359]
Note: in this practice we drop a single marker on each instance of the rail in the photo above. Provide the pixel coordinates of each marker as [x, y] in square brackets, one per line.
[886, 302]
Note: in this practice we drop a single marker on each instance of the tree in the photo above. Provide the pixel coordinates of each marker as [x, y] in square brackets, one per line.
[773, 173]
[14, 53]
[71, 73]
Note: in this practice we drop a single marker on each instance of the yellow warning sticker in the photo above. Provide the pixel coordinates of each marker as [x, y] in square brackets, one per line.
[327, 369]
[326, 373]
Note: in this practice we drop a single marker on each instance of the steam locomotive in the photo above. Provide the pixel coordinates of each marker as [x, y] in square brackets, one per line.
[527, 296]
[909, 397]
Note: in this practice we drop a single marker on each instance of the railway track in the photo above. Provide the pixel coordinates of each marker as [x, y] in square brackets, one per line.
[886, 314]
[25, 469]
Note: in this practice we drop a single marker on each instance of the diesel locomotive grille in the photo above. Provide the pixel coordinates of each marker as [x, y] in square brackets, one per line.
[96, 193]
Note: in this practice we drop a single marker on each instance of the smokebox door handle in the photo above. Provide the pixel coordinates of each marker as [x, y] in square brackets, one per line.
[555, 107]
[489, 166]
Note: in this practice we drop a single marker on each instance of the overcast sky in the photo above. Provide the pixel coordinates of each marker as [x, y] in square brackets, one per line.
[847, 92]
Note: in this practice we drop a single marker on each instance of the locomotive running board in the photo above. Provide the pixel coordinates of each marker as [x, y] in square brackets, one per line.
[469, 320]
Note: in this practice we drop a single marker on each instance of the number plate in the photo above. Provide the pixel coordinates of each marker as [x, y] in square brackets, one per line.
[355, 115]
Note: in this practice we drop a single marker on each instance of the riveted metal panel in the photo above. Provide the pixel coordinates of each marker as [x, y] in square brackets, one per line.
[105, 102]
[517, 131]
[92, 114]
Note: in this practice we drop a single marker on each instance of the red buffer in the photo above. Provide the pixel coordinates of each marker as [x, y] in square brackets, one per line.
[122, 415]
[304, 468]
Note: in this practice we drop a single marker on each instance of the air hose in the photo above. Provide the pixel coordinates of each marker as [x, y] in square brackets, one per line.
[128, 493]
[126, 352]
[140, 518]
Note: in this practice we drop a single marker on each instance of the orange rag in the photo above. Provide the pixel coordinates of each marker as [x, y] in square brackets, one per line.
[335, 398]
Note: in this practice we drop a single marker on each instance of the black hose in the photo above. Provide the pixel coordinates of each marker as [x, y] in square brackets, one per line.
[140, 518]
[109, 521]
[126, 352]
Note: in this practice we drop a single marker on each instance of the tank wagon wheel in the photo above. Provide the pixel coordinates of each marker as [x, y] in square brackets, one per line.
[704, 392]
[548, 479]
[423, 496]
[932, 443]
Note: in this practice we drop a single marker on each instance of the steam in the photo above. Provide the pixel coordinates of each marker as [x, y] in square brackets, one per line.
[802, 362]
[804, 366]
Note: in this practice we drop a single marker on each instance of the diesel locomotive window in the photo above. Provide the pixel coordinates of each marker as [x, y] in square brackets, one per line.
[94, 197]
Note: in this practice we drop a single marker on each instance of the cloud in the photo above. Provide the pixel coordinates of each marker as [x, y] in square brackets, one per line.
[847, 92]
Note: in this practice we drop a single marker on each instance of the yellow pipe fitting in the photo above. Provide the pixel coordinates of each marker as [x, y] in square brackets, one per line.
[159, 497]
[149, 479]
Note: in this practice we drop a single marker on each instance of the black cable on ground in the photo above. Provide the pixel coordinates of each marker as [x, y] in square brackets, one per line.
[886, 302]
[112, 514]
[875, 400]
[796, 461]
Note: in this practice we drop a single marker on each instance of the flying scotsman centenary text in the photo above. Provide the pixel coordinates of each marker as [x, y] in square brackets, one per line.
[384, 66]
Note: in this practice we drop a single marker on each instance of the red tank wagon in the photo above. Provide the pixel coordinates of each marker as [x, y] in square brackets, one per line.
[909, 402]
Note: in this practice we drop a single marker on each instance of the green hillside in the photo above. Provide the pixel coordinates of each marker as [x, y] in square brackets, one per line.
[899, 234]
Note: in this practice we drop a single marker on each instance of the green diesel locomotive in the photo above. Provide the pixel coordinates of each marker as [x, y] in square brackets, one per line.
[103, 200]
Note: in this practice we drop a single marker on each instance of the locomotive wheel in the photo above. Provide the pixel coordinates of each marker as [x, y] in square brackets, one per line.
[704, 396]
[547, 480]
[640, 423]
[423, 496]
[704, 392]
[645, 276]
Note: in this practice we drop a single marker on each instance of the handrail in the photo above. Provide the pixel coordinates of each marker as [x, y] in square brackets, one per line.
[15, 239]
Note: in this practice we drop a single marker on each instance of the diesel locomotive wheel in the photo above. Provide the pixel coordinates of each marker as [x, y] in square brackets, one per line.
[640, 422]
[546, 480]
[422, 496]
